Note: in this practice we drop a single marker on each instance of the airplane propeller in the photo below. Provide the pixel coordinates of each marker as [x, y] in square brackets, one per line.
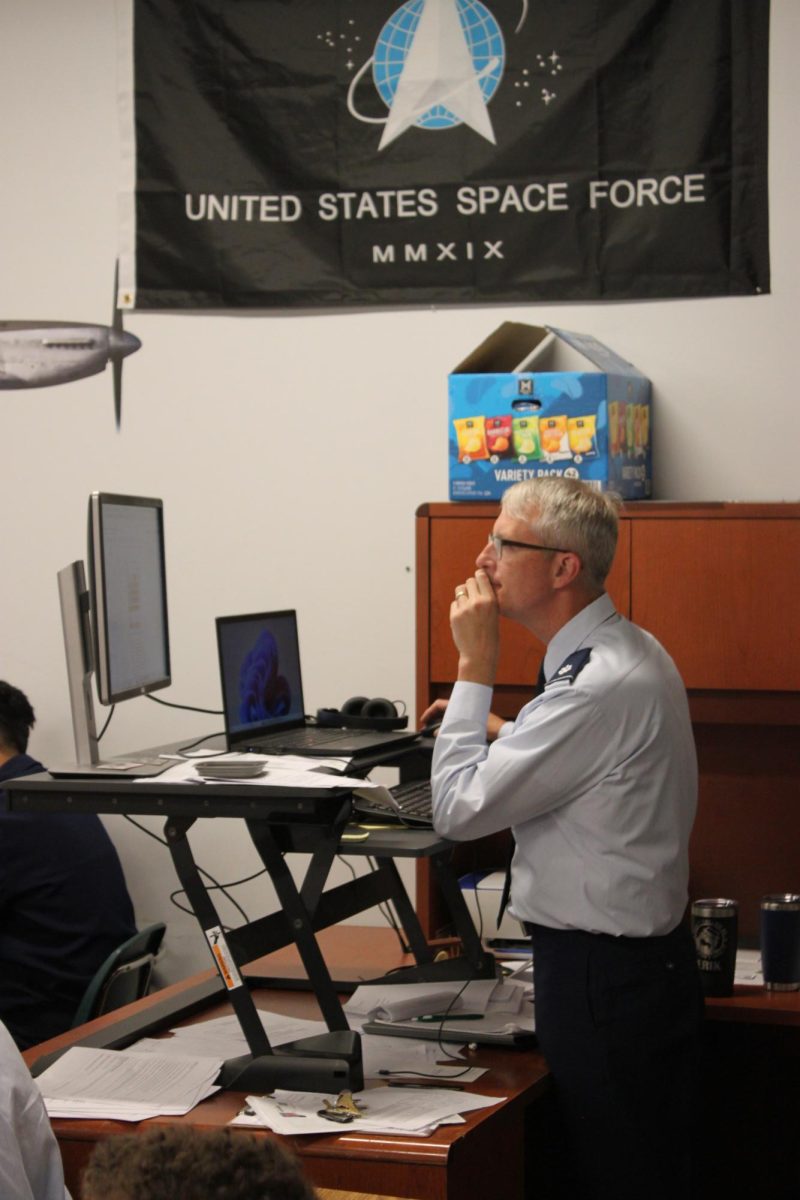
[45, 353]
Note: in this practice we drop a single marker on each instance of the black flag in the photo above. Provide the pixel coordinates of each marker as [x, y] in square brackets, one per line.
[327, 152]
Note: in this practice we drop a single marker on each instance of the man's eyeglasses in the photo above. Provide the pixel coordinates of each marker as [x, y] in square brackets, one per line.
[497, 543]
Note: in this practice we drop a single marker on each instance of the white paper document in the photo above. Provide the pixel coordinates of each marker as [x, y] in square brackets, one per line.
[122, 1085]
[748, 968]
[405, 1111]
[280, 770]
[222, 1038]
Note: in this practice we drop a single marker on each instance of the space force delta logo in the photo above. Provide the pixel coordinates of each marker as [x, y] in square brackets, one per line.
[436, 65]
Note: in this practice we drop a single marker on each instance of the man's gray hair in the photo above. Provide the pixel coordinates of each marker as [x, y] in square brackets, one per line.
[571, 514]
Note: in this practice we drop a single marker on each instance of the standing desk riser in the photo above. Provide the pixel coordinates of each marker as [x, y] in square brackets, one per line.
[279, 821]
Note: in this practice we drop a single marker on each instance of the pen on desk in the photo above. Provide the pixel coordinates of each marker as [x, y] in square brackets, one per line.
[451, 1016]
[456, 1087]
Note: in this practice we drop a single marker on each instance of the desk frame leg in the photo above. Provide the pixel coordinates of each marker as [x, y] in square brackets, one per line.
[399, 898]
[175, 832]
[483, 962]
[296, 910]
[327, 1062]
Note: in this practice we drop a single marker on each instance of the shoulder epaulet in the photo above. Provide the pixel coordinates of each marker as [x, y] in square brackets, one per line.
[571, 667]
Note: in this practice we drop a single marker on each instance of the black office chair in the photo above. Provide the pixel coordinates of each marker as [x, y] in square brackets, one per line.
[124, 976]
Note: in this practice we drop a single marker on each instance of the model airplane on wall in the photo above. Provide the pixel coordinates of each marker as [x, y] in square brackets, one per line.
[43, 353]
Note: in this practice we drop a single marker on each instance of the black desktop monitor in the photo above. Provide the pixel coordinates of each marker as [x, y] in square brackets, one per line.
[128, 595]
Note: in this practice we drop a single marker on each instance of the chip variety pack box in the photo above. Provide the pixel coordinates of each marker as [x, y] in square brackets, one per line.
[535, 400]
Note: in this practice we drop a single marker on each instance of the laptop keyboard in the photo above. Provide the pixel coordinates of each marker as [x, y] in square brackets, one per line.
[297, 739]
[412, 804]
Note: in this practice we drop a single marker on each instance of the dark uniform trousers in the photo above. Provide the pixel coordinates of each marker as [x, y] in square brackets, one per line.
[618, 1020]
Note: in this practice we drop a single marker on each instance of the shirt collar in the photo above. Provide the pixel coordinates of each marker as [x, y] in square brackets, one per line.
[20, 764]
[577, 631]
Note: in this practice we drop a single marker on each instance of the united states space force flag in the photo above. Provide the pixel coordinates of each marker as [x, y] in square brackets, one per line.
[329, 152]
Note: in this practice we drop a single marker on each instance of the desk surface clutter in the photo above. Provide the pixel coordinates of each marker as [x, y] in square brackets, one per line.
[170, 1075]
[476, 1102]
[439, 1140]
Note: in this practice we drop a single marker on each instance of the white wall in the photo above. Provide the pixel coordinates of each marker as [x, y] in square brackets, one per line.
[212, 401]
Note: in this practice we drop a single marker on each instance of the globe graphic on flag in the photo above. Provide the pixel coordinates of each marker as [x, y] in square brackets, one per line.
[484, 41]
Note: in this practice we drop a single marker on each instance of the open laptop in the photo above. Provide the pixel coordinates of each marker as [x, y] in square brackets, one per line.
[262, 693]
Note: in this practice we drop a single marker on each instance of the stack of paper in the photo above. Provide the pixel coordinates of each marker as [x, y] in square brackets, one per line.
[121, 1085]
[223, 1037]
[403, 1001]
[407, 1111]
[483, 1005]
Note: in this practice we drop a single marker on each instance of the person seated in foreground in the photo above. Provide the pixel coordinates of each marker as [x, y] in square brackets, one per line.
[176, 1162]
[64, 906]
[30, 1162]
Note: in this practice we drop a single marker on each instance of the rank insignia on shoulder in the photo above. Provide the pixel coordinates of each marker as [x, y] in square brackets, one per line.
[571, 667]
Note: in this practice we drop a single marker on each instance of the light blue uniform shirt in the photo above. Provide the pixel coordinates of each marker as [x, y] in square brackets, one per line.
[597, 777]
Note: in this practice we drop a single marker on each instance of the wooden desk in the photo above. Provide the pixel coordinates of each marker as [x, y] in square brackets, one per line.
[753, 1005]
[455, 1162]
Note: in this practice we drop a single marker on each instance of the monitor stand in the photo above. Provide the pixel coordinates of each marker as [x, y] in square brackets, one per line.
[76, 623]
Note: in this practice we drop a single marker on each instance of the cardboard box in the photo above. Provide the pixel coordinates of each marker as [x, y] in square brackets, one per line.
[533, 400]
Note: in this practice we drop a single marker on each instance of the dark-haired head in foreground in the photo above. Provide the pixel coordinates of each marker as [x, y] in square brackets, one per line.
[179, 1163]
[16, 720]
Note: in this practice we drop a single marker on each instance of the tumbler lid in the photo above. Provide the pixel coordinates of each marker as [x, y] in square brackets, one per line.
[716, 906]
[781, 902]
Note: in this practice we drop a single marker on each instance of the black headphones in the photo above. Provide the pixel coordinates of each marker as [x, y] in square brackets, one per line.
[359, 712]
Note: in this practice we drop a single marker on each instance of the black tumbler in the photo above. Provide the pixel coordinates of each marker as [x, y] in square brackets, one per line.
[715, 928]
[780, 942]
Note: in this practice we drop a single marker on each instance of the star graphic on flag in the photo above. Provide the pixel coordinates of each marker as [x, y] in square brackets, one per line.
[439, 70]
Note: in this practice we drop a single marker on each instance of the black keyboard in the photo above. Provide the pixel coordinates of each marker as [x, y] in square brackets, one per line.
[412, 805]
[300, 738]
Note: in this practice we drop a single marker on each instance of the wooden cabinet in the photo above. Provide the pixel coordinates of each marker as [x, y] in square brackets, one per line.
[722, 593]
[719, 586]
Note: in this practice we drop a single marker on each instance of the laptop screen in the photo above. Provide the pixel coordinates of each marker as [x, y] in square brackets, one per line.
[259, 661]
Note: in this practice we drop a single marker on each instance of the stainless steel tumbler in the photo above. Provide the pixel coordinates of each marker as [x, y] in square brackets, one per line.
[780, 941]
[715, 926]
